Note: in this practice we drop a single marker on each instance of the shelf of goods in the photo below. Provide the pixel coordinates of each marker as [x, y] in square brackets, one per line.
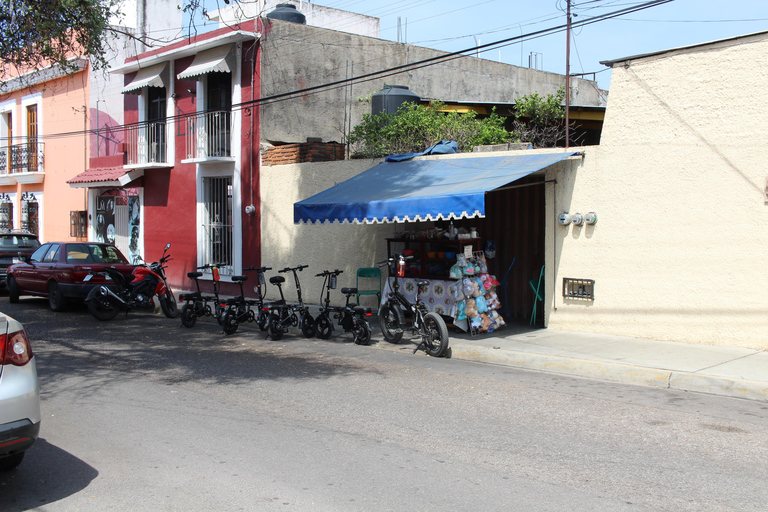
[432, 257]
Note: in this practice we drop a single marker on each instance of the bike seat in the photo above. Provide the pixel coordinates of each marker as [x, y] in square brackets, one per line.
[349, 291]
[239, 279]
[276, 279]
[422, 283]
[194, 275]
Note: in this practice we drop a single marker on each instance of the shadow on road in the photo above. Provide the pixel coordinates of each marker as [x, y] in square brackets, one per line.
[74, 344]
[47, 474]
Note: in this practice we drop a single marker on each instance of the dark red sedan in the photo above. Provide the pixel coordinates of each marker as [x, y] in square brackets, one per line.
[64, 270]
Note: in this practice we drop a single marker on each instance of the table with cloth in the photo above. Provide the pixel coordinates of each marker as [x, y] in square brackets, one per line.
[438, 298]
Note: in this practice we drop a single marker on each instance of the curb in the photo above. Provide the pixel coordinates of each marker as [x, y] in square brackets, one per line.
[617, 372]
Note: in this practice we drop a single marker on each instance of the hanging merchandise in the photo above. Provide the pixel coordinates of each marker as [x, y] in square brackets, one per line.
[490, 249]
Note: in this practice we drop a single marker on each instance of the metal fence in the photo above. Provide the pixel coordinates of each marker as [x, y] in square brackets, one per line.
[27, 157]
[147, 143]
[217, 223]
[208, 135]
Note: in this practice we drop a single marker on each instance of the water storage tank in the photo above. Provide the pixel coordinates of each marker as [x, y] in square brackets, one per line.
[391, 97]
[287, 12]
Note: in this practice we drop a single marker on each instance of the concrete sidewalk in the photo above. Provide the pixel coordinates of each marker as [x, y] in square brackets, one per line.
[736, 372]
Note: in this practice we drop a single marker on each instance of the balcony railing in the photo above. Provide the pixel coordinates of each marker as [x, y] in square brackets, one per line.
[147, 143]
[27, 157]
[209, 135]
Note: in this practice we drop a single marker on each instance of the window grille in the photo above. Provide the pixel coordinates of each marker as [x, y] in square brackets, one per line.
[217, 223]
[578, 288]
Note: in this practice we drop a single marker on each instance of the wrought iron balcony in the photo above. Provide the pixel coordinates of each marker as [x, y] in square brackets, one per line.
[18, 158]
[209, 135]
[147, 143]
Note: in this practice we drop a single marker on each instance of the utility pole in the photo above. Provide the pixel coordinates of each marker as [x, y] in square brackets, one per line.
[568, 77]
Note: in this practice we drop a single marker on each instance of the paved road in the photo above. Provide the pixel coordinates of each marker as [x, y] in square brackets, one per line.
[142, 414]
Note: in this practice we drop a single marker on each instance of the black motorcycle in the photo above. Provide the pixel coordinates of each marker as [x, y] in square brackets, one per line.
[106, 301]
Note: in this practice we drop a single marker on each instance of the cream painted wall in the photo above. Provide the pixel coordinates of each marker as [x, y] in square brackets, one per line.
[321, 246]
[680, 249]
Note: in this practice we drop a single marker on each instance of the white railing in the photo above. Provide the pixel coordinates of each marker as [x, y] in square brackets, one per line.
[209, 135]
[147, 143]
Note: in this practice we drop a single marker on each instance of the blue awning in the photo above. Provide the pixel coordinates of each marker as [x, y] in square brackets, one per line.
[415, 190]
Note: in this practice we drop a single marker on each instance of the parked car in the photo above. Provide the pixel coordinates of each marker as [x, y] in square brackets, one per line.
[63, 271]
[14, 245]
[19, 394]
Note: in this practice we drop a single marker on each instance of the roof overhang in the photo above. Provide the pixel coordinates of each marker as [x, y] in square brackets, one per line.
[421, 189]
[216, 60]
[105, 177]
[42, 75]
[186, 51]
[152, 76]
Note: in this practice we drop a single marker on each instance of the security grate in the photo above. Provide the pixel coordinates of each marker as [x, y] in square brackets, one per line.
[583, 289]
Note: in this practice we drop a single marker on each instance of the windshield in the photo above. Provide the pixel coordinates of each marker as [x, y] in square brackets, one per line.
[20, 241]
[94, 253]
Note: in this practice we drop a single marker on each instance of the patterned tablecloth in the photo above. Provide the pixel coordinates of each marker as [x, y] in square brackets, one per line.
[437, 297]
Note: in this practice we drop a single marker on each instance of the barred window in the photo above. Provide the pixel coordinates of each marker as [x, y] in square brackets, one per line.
[217, 223]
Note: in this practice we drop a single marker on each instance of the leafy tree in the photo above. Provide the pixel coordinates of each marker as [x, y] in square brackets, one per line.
[416, 127]
[539, 119]
[40, 33]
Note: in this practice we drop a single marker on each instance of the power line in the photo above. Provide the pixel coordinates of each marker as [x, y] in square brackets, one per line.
[393, 70]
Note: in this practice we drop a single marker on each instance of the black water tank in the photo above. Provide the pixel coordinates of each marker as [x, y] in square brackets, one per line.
[287, 12]
[391, 97]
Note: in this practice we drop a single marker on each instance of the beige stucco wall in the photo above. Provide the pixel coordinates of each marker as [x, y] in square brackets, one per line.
[680, 249]
[321, 246]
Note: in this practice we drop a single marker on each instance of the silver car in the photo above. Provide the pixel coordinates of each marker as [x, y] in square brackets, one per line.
[19, 394]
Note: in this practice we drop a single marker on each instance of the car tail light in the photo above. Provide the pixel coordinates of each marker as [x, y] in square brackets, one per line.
[15, 348]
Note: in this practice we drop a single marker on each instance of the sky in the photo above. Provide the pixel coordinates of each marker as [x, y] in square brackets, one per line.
[453, 25]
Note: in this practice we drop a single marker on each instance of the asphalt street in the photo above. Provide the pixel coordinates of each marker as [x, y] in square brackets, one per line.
[143, 414]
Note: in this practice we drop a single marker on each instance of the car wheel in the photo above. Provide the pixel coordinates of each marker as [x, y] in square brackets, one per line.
[13, 290]
[11, 461]
[56, 299]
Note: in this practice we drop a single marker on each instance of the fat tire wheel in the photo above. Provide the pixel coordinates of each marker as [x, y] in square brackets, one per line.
[11, 461]
[361, 332]
[102, 309]
[13, 290]
[274, 328]
[437, 335]
[323, 326]
[391, 323]
[261, 320]
[307, 326]
[56, 299]
[168, 304]
[188, 315]
[229, 324]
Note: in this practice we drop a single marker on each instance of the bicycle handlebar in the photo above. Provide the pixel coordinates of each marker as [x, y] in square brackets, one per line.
[260, 270]
[329, 273]
[299, 268]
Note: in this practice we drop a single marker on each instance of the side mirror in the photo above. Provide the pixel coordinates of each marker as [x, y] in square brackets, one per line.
[167, 246]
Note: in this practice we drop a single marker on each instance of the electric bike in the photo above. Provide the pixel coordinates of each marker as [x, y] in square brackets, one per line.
[282, 315]
[351, 318]
[430, 326]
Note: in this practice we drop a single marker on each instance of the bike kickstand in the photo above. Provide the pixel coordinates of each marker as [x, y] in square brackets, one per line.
[421, 346]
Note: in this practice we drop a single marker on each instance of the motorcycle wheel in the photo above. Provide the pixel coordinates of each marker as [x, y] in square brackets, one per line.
[102, 309]
[361, 332]
[307, 325]
[323, 326]
[168, 304]
[188, 316]
[274, 327]
[391, 323]
[229, 323]
[436, 335]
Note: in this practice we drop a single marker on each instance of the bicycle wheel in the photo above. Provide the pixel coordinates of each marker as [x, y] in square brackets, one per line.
[323, 326]
[361, 332]
[262, 319]
[391, 322]
[188, 315]
[435, 334]
[274, 327]
[230, 322]
[307, 325]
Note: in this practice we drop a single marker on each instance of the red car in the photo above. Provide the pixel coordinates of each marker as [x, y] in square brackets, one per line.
[64, 270]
